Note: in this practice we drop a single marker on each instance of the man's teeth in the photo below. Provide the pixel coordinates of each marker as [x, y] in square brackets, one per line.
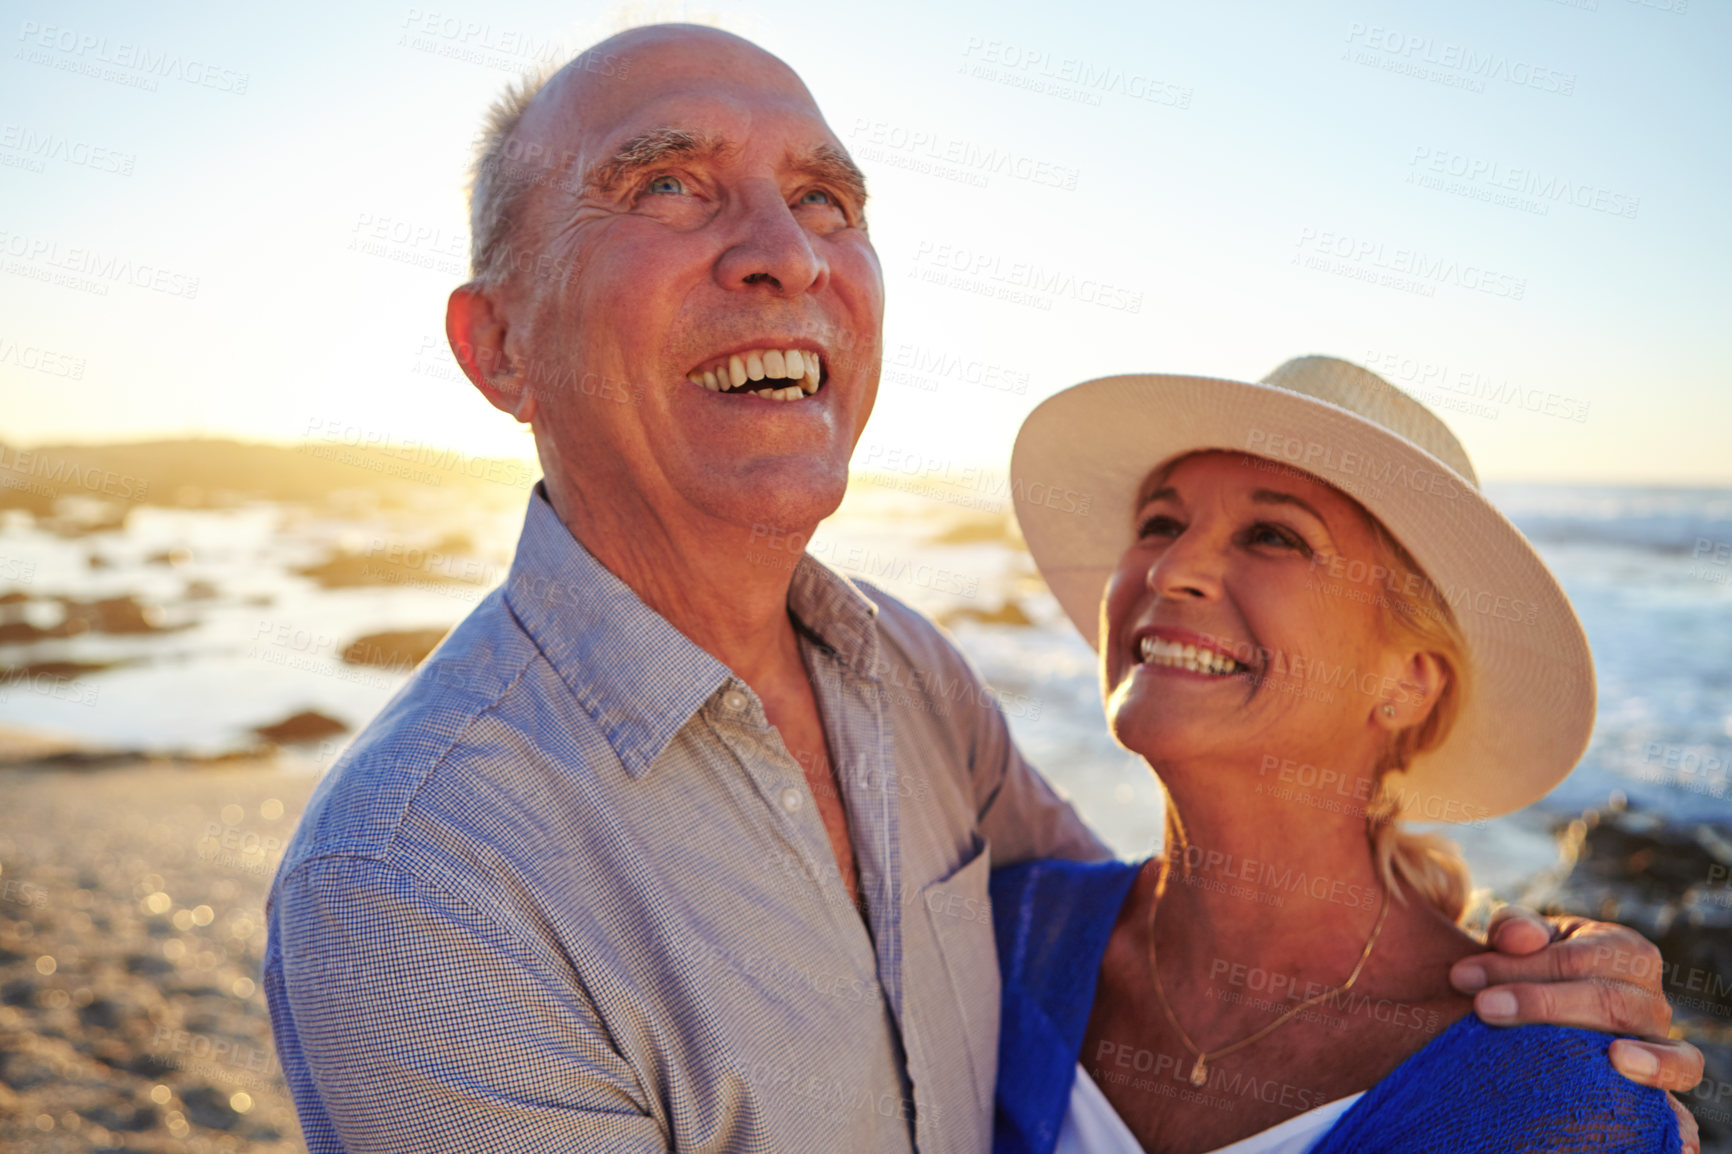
[1158, 652]
[803, 369]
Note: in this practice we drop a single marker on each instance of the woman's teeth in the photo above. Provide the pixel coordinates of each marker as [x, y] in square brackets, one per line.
[800, 367]
[1158, 652]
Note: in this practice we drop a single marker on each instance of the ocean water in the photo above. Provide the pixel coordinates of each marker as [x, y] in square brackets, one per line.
[242, 637]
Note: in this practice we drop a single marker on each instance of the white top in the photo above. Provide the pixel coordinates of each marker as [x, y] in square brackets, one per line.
[1092, 1126]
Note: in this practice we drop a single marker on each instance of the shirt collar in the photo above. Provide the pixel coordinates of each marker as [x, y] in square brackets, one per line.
[639, 677]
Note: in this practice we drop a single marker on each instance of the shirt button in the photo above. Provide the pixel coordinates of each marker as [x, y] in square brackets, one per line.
[734, 700]
[791, 800]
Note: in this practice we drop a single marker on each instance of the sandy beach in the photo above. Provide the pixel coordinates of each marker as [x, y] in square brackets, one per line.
[131, 934]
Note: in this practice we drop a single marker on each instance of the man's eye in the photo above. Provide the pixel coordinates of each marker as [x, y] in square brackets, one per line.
[671, 185]
[1159, 525]
[816, 196]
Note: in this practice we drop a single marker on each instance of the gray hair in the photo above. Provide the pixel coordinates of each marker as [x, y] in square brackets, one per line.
[500, 179]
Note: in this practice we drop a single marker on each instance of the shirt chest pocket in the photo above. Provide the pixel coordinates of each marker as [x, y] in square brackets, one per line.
[953, 990]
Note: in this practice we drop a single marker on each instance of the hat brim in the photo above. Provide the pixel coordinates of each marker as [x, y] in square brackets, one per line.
[1082, 454]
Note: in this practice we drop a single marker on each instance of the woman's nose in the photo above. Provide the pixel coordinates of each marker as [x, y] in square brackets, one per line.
[1190, 567]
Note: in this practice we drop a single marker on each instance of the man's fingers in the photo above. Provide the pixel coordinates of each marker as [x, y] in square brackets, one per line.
[1664, 1063]
[1587, 950]
[1517, 930]
[1591, 1004]
[1687, 1131]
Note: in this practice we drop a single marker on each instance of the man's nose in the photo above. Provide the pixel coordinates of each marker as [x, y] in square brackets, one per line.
[1191, 566]
[771, 247]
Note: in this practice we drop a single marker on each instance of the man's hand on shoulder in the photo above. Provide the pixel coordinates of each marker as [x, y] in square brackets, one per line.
[1570, 971]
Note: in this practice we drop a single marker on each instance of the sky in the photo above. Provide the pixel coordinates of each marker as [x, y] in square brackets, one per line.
[243, 221]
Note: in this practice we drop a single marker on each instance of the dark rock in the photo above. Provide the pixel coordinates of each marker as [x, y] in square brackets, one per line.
[114, 1053]
[1010, 613]
[209, 1107]
[119, 1117]
[1671, 882]
[23, 633]
[55, 670]
[148, 965]
[22, 1071]
[148, 1065]
[119, 615]
[101, 1014]
[399, 649]
[304, 726]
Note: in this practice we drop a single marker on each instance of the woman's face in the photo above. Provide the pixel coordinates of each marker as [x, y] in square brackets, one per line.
[1242, 560]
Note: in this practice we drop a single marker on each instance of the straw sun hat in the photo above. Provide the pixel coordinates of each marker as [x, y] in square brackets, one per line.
[1082, 454]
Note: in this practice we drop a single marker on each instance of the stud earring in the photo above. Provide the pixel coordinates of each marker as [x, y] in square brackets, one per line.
[1388, 709]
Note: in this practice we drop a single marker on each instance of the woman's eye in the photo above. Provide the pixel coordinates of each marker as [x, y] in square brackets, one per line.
[1278, 535]
[670, 185]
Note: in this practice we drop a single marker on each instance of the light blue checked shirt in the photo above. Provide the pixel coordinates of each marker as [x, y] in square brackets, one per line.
[569, 891]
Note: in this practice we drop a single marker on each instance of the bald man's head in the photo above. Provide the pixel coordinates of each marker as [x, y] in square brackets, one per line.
[529, 137]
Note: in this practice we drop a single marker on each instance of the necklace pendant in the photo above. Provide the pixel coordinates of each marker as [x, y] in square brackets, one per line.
[1199, 1072]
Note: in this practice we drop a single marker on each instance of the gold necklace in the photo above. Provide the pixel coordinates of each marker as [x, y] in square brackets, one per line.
[1200, 1071]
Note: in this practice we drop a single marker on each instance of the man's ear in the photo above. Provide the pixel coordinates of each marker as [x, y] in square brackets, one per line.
[476, 329]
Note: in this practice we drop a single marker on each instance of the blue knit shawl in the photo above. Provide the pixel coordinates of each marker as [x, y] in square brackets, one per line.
[1472, 1088]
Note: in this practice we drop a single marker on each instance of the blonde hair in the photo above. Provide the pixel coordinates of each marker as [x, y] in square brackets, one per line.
[1429, 864]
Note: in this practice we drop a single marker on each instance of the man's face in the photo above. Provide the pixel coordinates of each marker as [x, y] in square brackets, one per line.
[718, 221]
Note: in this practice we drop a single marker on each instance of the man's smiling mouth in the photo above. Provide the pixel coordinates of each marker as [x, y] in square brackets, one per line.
[774, 374]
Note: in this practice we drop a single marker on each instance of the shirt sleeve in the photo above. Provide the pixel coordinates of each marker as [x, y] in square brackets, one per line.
[410, 1021]
[1018, 810]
